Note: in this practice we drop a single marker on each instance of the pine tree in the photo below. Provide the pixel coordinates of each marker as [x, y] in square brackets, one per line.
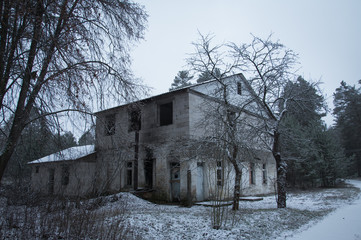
[182, 79]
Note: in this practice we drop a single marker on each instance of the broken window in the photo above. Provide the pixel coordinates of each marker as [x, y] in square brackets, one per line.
[166, 114]
[37, 169]
[109, 125]
[264, 173]
[134, 116]
[239, 88]
[129, 173]
[65, 175]
[219, 172]
[251, 173]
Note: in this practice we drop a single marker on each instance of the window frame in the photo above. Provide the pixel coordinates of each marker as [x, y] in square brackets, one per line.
[252, 173]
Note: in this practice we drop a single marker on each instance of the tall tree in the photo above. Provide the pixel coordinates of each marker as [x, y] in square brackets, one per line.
[269, 66]
[182, 79]
[232, 135]
[57, 55]
[347, 101]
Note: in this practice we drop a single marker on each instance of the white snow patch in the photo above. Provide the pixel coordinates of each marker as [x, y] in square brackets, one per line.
[67, 154]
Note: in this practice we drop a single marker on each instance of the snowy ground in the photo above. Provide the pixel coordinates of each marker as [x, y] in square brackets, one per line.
[139, 219]
[255, 220]
[344, 223]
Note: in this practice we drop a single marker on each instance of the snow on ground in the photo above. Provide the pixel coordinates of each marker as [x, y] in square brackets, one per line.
[344, 223]
[255, 220]
[126, 216]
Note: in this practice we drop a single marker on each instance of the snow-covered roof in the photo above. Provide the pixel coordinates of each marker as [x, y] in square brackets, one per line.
[72, 153]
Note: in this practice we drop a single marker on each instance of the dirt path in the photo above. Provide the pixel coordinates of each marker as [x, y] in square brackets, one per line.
[344, 223]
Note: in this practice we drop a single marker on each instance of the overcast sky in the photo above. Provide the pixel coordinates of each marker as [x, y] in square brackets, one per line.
[325, 33]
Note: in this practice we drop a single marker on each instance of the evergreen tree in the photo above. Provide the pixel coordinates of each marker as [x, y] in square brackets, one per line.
[87, 138]
[205, 76]
[347, 101]
[182, 79]
[314, 157]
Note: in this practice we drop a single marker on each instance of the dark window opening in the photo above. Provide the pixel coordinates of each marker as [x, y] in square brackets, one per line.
[65, 175]
[166, 114]
[37, 169]
[251, 174]
[110, 125]
[219, 173]
[134, 120]
[264, 173]
[239, 88]
[129, 173]
[148, 167]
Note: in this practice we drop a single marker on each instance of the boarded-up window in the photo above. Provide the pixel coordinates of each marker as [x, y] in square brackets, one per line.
[65, 175]
[109, 125]
[166, 114]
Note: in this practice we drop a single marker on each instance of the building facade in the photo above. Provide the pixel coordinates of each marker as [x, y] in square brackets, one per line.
[161, 146]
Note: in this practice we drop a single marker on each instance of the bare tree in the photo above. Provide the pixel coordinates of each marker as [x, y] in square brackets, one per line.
[60, 55]
[227, 118]
[268, 66]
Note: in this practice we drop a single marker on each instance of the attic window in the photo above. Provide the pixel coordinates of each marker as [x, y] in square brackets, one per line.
[239, 88]
[166, 114]
[109, 125]
[134, 116]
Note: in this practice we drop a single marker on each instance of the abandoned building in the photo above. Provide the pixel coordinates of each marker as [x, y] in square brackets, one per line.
[156, 145]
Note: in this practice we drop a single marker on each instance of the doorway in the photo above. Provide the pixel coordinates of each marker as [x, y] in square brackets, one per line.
[200, 182]
[175, 182]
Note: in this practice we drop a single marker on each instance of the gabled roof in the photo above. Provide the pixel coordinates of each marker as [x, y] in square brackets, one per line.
[68, 154]
[186, 88]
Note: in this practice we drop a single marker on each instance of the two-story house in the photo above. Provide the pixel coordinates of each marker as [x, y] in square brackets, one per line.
[164, 145]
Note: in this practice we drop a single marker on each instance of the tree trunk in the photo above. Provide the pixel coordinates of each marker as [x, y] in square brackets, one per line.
[237, 188]
[281, 172]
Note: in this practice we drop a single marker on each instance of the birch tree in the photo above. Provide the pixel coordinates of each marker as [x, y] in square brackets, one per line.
[63, 55]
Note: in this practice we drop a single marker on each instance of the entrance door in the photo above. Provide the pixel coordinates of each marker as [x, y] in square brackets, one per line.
[200, 179]
[175, 182]
[148, 169]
